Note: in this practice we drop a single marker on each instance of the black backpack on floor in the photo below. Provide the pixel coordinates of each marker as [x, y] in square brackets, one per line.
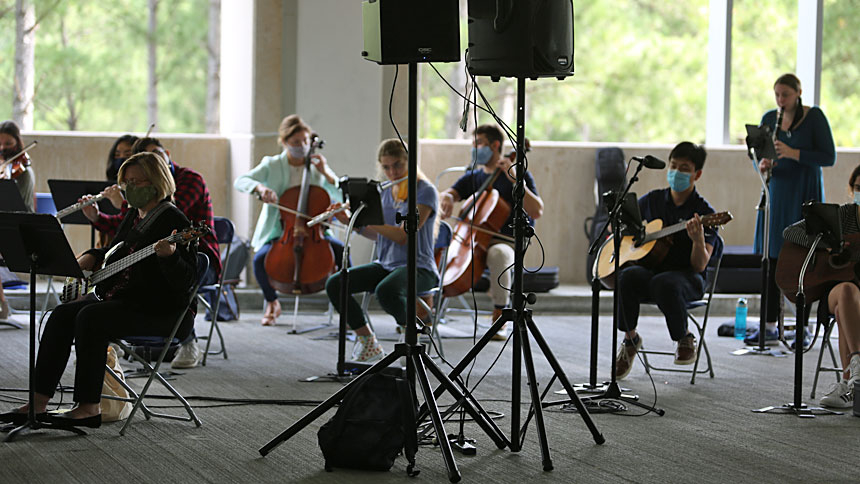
[373, 425]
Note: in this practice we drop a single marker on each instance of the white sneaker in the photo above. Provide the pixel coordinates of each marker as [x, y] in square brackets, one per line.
[854, 368]
[840, 395]
[367, 349]
[188, 356]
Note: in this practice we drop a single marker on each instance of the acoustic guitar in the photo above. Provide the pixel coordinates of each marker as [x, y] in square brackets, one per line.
[651, 251]
[824, 269]
[75, 288]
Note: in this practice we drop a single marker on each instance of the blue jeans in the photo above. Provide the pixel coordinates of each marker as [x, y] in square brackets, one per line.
[670, 290]
[260, 266]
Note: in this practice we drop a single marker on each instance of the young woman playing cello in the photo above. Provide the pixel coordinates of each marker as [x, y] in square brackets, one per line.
[268, 180]
[387, 275]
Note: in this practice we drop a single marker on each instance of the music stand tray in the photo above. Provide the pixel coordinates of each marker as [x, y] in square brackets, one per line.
[35, 243]
[10, 197]
[67, 192]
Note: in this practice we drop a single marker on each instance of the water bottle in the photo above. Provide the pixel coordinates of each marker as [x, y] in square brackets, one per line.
[741, 319]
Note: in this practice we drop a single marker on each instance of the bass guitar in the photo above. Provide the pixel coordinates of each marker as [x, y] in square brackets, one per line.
[75, 288]
[650, 251]
[824, 269]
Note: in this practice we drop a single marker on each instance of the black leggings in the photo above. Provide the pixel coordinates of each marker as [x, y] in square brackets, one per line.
[91, 324]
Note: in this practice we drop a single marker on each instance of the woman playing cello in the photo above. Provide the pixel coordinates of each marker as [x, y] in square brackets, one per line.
[269, 180]
[387, 275]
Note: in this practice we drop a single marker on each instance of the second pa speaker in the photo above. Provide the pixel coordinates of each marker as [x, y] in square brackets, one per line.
[520, 38]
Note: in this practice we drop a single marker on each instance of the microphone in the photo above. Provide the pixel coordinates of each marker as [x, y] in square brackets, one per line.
[650, 162]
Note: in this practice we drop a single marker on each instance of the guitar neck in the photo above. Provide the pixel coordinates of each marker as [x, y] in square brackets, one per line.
[118, 266]
[665, 232]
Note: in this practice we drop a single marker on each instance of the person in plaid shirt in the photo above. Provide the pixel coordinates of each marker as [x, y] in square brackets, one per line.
[192, 198]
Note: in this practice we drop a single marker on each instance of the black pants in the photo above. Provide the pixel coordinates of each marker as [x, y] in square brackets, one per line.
[670, 290]
[91, 324]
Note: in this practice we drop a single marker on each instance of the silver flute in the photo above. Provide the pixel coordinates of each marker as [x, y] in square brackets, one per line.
[74, 208]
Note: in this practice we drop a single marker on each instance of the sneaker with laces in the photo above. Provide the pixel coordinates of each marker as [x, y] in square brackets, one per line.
[188, 356]
[840, 395]
[367, 349]
[626, 356]
[685, 353]
[771, 337]
[854, 367]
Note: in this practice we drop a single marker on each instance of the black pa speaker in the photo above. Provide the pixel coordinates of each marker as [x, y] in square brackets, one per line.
[520, 38]
[404, 31]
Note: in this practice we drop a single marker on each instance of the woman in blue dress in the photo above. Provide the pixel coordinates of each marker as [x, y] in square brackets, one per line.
[804, 144]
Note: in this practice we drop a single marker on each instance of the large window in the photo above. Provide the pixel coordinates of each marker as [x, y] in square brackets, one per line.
[764, 46]
[640, 76]
[92, 64]
[840, 70]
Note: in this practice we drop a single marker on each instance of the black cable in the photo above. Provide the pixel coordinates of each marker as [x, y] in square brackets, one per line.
[390, 104]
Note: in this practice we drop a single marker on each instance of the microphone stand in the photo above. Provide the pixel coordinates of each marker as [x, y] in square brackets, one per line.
[797, 407]
[611, 390]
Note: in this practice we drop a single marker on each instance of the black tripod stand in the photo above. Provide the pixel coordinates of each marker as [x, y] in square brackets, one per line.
[524, 325]
[35, 243]
[612, 391]
[418, 362]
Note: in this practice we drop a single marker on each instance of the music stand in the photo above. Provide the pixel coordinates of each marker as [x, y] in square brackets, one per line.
[67, 192]
[10, 197]
[363, 194]
[760, 145]
[822, 223]
[35, 243]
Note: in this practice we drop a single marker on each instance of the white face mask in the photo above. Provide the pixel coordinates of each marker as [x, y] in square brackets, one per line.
[857, 198]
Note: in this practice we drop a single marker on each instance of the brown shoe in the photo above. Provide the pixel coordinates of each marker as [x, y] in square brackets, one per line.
[685, 353]
[626, 356]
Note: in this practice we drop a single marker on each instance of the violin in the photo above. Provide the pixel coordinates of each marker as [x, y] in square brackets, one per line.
[483, 216]
[16, 165]
[301, 260]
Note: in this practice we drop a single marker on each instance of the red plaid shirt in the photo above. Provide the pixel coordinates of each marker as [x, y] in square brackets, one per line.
[192, 198]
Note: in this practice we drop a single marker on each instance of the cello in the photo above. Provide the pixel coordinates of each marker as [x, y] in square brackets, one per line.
[301, 260]
[484, 214]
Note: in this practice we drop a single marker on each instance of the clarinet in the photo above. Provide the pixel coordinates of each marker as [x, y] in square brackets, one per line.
[776, 126]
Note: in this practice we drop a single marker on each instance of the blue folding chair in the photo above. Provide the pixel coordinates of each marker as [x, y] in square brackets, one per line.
[224, 231]
[166, 343]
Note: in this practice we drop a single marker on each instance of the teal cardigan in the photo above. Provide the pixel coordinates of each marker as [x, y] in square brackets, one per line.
[274, 173]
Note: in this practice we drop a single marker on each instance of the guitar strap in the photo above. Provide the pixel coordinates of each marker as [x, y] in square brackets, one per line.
[147, 221]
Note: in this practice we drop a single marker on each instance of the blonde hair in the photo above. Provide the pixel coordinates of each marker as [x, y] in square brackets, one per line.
[156, 171]
[395, 147]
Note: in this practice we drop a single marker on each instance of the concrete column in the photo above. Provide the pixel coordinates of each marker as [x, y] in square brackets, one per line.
[811, 18]
[719, 72]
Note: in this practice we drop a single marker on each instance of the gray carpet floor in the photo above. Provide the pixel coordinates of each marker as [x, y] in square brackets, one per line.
[708, 433]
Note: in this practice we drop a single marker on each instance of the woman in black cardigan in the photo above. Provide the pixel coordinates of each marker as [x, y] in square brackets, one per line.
[144, 299]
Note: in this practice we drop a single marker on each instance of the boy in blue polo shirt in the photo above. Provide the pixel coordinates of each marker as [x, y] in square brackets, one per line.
[680, 277]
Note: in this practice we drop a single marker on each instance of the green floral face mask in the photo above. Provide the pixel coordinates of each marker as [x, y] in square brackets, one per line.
[138, 197]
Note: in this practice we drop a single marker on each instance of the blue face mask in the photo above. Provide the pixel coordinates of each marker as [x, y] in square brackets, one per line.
[482, 155]
[678, 181]
[856, 198]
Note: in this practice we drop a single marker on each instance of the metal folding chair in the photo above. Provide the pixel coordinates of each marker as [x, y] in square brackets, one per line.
[437, 312]
[126, 342]
[827, 322]
[224, 231]
[713, 272]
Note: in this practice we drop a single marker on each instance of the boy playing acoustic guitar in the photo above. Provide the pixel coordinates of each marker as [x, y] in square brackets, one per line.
[680, 276]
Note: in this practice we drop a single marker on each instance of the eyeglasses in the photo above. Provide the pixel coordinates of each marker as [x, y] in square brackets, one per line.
[134, 182]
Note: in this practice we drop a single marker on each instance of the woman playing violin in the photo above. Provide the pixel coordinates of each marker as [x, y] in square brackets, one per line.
[271, 178]
[387, 275]
[10, 145]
